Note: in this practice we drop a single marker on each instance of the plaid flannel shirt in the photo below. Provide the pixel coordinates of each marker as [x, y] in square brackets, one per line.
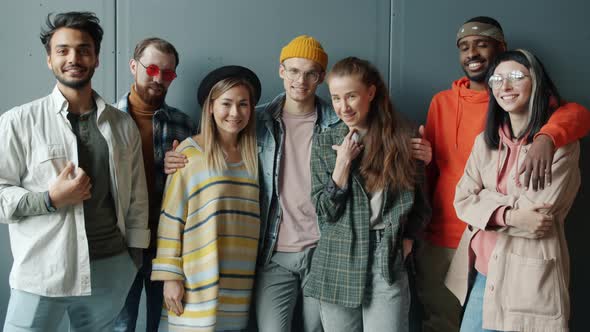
[169, 124]
[339, 267]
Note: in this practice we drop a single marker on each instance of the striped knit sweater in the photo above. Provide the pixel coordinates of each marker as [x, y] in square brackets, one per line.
[208, 237]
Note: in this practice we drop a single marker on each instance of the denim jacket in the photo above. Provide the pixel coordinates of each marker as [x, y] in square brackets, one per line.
[270, 140]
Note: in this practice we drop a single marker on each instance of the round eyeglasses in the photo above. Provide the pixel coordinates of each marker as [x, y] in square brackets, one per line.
[294, 74]
[153, 70]
[515, 77]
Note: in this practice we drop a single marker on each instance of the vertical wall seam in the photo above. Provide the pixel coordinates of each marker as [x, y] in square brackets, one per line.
[390, 51]
[116, 51]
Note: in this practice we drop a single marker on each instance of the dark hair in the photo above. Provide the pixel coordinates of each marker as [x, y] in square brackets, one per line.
[486, 20]
[544, 98]
[83, 21]
[387, 161]
[160, 44]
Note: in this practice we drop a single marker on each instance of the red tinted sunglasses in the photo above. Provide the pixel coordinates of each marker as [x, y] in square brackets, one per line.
[153, 70]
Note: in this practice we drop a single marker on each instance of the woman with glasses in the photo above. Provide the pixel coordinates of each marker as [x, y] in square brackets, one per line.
[369, 203]
[209, 222]
[511, 270]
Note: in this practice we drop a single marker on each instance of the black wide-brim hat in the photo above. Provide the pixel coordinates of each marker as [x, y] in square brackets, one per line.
[224, 72]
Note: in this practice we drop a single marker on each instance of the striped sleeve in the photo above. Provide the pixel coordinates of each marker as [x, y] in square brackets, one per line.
[168, 262]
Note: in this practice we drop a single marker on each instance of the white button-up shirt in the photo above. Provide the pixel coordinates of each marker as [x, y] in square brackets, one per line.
[51, 251]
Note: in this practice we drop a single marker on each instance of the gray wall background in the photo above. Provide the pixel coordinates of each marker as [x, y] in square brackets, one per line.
[411, 41]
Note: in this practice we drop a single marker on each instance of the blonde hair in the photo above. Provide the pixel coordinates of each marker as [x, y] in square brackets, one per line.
[215, 155]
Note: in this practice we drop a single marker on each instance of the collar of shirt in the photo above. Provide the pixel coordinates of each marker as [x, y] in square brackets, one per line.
[62, 104]
[163, 112]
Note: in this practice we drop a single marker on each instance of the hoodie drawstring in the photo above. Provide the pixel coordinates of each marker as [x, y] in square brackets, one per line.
[457, 119]
[516, 174]
[511, 146]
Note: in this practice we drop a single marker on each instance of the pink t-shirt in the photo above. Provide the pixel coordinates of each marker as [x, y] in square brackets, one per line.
[298, 229]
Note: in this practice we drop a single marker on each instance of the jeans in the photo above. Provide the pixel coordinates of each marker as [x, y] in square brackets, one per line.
[110, 278]
[154, 291]
[473, 316]
[278, 284]
[385, 307]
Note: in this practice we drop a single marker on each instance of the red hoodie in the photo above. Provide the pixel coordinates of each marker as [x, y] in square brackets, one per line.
[455, 118]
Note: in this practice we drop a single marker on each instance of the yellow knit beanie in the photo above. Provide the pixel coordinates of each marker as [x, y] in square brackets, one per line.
[305, 47]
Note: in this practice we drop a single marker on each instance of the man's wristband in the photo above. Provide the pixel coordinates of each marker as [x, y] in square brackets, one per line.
[48, 203]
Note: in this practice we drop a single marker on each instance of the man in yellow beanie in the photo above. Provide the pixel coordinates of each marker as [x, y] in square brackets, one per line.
[285, 130]
[289, 231]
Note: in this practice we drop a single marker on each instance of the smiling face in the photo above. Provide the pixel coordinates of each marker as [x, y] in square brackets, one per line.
[302, 89]
[72, 58]
[351, 100]
[231, 111]
[476, 53]
[513, 97]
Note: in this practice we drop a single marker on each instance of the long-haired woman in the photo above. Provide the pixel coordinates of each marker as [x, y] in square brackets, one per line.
[209, 223]
[511, 270]
[370, 206]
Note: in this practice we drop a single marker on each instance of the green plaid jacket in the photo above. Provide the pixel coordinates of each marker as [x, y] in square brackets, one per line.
[339, 268]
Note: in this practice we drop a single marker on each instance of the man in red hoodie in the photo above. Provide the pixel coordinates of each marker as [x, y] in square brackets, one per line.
[455, 118]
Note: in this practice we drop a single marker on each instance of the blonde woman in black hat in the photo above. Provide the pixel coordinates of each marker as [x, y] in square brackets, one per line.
[209, 222]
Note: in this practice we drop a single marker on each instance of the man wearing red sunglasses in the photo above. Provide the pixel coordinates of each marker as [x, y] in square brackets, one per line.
[153, 67]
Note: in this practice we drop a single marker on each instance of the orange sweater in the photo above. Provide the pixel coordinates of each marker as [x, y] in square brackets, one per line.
[455, 118]
[143, 114]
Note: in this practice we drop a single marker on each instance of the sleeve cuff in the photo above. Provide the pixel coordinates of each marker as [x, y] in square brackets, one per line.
[167, 268]
[497, 218]
[335, 193]
[137, 238]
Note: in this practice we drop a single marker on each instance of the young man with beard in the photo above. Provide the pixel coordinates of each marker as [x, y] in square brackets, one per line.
[73, 192]
[454, 119]
[161, 127]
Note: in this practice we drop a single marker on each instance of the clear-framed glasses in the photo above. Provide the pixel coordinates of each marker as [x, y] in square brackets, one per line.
[153, 70]
[294, 74]
[515, 77]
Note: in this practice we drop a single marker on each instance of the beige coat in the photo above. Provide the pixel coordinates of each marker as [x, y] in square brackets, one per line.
[528, 277]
